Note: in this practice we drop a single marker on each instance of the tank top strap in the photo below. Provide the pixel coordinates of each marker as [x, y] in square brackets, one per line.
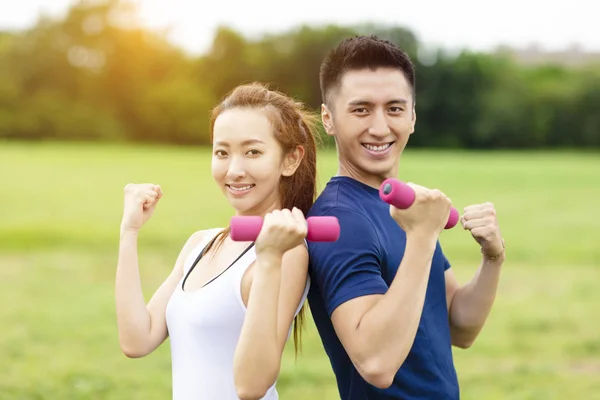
[198, 250]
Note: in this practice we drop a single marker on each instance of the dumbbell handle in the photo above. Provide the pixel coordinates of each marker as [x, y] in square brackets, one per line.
[320, 229]
[402, 196]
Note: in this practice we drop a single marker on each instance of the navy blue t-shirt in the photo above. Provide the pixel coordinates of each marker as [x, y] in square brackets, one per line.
[362, 262]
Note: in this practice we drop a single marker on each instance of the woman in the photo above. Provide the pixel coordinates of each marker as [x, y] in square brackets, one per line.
[227, 306]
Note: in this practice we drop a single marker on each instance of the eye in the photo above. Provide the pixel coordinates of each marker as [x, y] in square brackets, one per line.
[396, 109]
[254, 152]
[360, 110]
[220, 153]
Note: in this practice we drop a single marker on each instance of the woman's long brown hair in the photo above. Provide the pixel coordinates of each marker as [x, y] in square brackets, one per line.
[293, 125]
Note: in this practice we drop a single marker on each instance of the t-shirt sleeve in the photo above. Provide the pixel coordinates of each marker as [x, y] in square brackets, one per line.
[349, 267]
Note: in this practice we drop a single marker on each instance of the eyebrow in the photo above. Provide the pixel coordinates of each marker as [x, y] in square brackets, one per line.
[244, 143]
[356, 103]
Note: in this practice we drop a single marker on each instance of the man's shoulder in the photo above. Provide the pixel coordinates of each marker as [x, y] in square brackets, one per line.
[334, 199]
[357, 230]
[349, 214]
[338, 199]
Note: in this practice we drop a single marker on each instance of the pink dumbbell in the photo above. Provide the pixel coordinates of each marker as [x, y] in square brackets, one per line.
[320, 229]
[402, 196]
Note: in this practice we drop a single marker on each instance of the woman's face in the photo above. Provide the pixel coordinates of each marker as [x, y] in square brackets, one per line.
[247, 160]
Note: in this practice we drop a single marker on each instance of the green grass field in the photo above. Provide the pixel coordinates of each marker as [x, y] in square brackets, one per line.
[60, 210]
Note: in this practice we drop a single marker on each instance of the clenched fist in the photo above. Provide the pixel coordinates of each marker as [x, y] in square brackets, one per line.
[139, 204]
[282, 230]
[481, 220]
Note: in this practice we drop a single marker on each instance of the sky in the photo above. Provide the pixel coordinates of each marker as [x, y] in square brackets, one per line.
[454, 25]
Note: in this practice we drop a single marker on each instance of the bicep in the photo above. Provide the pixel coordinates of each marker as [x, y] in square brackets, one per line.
[346, 319]
[294, 272]
[452, 287]
[157, 308]
[158, 303]
[348, 274]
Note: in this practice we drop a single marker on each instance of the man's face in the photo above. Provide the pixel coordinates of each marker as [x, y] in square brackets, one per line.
[371, 118]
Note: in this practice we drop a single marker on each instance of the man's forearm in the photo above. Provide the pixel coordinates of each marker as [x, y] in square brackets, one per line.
[471, 304]
[387, 331]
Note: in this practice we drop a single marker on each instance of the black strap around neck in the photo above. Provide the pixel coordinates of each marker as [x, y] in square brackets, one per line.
[202, 254]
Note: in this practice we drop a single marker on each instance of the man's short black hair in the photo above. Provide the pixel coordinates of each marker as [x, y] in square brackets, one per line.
[361, 52]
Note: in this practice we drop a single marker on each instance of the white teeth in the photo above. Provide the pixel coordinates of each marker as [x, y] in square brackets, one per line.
[241, 189]
[377, 148]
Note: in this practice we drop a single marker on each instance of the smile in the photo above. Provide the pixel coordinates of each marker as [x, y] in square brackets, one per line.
[240, 189]
[377, 148]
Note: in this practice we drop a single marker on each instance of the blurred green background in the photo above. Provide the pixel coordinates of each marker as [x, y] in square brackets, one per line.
[89, 104]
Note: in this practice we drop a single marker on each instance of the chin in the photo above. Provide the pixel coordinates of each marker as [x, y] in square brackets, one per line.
[239, 204]
[247, 206]
[385, 169]
[242, 205]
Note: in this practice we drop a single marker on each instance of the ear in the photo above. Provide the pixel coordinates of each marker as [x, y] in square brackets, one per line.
[292, 160]
[327, 119]
[413, 120]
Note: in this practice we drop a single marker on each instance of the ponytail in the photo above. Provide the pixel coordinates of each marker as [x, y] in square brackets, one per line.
[293, 126]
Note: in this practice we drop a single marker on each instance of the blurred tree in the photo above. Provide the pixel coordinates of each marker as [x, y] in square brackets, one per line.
[226, 64]
[176, 112]
[98, 74]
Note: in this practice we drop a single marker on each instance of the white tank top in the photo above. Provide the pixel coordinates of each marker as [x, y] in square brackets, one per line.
[204, 327]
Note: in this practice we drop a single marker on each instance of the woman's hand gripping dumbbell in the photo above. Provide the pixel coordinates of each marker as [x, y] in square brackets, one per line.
[402, 196]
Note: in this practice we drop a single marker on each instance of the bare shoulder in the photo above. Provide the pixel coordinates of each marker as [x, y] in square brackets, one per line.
[192, 242]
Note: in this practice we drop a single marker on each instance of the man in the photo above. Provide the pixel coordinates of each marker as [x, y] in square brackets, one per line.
[384, 298]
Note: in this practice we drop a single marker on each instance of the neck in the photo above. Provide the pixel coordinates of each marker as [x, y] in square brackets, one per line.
[369, 179]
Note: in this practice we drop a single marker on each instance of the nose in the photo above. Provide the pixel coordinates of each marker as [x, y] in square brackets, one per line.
[379, 125]
[236, 169]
